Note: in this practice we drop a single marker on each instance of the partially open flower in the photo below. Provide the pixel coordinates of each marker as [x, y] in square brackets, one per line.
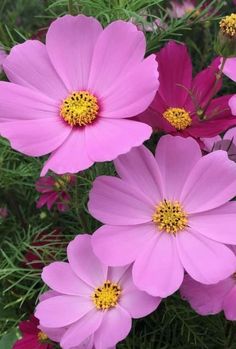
[225, 45]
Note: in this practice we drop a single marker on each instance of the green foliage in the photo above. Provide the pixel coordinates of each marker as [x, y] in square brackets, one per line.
[174, 325]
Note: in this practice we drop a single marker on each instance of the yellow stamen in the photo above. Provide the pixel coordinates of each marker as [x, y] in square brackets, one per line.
[178, 118]
[228, 25]
[79, 108]
[170, 216]
[42, 336]
[62, 182]
[106, 296]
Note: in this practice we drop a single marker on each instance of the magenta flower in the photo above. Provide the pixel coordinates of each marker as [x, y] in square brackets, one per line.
[54, 191]
[183, 105]
[32, 336]
[72, 96]
[167, 214]
[95, 303]
[211, 299]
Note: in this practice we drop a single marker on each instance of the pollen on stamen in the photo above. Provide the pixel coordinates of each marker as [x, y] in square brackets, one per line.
[42, 336]
[228, 25]
[79, 108]
[106, 296]
[170, 216]
[179, 118]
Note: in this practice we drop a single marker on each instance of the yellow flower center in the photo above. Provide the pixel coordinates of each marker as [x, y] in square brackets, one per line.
[228, 25]
[178, 118]
[42, 336]
[170, 216]
[79, 108]
[106, 296]
[62, 182]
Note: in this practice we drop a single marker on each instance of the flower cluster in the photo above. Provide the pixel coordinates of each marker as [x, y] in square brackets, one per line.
[90, 94]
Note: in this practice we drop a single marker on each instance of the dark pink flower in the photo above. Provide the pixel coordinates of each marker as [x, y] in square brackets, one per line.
[32, 337]
[184, 105]
[54, 190]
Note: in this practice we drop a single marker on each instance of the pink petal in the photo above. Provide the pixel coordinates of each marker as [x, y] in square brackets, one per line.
[121, 245]
[82, 329]
[116, 273]
[116, 202]
[84, 263]
[158, 270]
[55, 334]
[35, 137]
[139, 168]
[52, 198]
[115, 326]
[174, 83]
[60, 277]
[230, 68]
[28, 65]
[119, 48]
[137, 303]
[70, 43]
[176, 156]
[204, 83]
[229, 305]
[65, 159]
[108, 138]
[133, 93]
[205, 260]
[211, 183]
[217, 224]
[205, 299]
[232, 104]
[63, 310]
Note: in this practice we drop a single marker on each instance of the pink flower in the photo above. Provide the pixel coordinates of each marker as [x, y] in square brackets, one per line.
[32, 337]
[181, 9]
[228, 143]
[55, 191]
[211, 299]
[73, 96]
[3, 212]
[3, 56]
[167, 214]
[95, 303]
[184, 105]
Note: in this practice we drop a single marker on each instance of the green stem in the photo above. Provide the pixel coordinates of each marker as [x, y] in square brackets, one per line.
[70, 7]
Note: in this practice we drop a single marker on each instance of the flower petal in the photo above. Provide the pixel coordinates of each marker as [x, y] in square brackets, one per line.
[116, 202]
[205, 299]
[119, 48]
[232, 104]
[176, 156]
[139, 168]
[211, 183]
[133, 93]
[205, 260]
[158, 270]
[115, 326]
[217, 224]
[60, 277]
[137, 303]
[174, 83]
[229, 305]
[230, 68]
[108, 138]
[65, 159]
[63, 310]
[82, 329]
[120, 245]
[93, 272]
[70, 43]
[28, 65]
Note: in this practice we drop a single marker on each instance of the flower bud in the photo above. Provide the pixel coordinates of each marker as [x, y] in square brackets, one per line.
[225, 45]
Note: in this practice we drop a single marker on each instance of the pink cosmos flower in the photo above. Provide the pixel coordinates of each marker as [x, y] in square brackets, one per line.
[55, 191]
[211, 299]
[179, 10]
[73, 96]
[184, 105]
[228, 143]
[95, 303]
[32, 336]
[167, 214]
